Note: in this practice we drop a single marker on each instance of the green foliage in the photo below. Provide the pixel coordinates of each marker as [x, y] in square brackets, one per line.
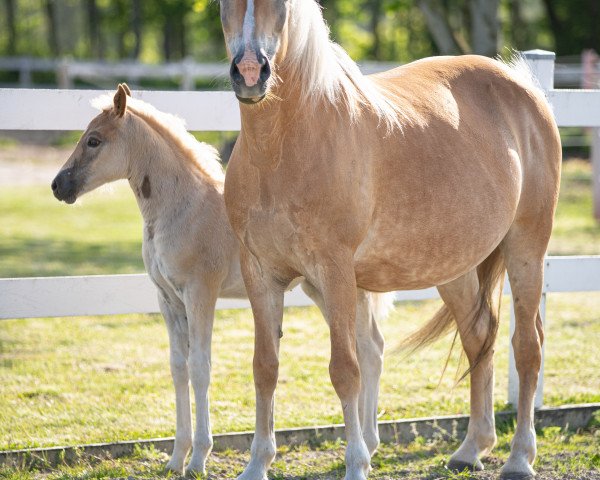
[392, 30]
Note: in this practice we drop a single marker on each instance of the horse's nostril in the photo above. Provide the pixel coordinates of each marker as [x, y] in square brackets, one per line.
[234, 73]
[265, 70]
[54, 185]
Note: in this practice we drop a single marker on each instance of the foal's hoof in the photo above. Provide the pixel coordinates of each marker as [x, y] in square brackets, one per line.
[458, 466]
[172, 468]
[517, 476]
[195, 472]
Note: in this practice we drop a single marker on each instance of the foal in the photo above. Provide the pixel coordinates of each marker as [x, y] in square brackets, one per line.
[189, 250]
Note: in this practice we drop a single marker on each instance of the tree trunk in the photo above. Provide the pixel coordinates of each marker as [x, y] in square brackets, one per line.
[555, 23]
[93, 21]
[52, 22]
[136, 21]
[484, 27]
[11, 48]
[437, 22]
[375, 7]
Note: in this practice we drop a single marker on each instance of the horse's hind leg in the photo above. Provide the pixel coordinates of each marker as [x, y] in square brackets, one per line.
[461, 297]
[524, 256]
[369, 350]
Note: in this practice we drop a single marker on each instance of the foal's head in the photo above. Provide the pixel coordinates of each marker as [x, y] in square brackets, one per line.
[100, 154]
[253, 34]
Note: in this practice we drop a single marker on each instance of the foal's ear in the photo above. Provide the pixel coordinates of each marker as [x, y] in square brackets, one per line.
[120, 101]
[126, 88]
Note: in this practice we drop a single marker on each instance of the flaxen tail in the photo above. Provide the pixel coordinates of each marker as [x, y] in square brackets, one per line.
[490, 274]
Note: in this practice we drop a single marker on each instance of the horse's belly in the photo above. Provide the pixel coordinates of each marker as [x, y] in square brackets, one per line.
[412, 255]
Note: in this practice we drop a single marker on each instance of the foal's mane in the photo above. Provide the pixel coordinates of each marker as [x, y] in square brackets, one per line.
[203, 156]
[322, 69]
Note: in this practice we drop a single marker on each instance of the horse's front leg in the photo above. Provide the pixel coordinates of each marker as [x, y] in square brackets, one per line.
[336, 281]
[174, 313]
[266, 297]
[200, 300]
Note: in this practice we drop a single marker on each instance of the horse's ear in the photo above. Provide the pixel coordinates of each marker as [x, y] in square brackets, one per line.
[127, 89]
[120, 101]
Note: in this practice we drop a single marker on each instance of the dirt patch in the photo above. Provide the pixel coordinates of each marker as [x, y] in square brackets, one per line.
[31, 164]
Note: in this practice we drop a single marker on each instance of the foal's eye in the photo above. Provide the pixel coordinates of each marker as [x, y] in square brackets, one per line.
[93, 142]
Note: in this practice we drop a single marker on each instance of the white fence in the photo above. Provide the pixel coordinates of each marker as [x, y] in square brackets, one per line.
[22, 109]
[187, 71]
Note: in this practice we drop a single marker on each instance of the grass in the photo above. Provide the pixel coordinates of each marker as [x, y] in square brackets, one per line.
[561, 454]
[90, 379]
[84, 380]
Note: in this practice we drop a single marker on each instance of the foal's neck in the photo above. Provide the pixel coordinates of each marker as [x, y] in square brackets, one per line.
[164, 179]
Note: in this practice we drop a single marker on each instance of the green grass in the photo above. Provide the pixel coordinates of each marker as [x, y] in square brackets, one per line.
[575, 230]
[91, 379]
[102, 233]
[561, 454]
[80, 380]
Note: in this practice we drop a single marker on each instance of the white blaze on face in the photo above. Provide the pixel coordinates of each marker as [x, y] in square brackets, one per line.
[248, 65]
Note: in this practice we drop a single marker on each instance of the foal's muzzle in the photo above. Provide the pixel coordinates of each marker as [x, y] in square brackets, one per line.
[63, 186]
[248, 87]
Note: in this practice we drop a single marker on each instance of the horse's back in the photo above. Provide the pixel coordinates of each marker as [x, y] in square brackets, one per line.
[480, 149]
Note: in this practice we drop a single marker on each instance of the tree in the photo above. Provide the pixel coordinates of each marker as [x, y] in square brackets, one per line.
[484, 25]
[94, 24]
[52, 22]
[11, 48]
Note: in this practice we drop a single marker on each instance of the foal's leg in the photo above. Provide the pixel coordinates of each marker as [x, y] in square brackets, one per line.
[461, 297]
[525, 271]
[266, 297]
[369, 349]
[335, 279]
[174, 315]
[200, 303]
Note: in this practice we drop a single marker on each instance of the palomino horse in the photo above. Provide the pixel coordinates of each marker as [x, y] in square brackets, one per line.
[189, 249]
[443, 172]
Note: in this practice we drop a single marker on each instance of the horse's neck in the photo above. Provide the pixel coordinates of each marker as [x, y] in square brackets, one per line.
[164, 182]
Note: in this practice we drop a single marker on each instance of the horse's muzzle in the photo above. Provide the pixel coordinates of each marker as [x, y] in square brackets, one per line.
[250, 87]
[64, 187]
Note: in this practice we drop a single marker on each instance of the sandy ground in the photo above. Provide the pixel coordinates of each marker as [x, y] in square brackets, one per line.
[31, 164]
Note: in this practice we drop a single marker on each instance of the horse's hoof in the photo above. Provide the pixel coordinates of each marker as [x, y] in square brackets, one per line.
[170, 468]
[458, 466]
[195, 472]
[517, 476]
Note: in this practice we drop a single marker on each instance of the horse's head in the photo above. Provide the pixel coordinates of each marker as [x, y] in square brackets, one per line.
[99, 156]
[253, 35]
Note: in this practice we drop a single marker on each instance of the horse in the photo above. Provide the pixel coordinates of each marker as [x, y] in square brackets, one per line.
[189, 249]
[444, 172]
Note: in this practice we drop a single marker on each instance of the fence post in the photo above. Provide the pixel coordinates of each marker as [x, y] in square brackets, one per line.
[187, 74]
[541, 64]
[63, 76]
[590, 79]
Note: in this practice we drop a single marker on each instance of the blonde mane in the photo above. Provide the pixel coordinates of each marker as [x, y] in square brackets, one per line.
[322, 69]
[204, 156]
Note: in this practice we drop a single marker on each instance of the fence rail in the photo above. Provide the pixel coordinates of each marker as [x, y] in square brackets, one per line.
[188, 71]
[29, 109]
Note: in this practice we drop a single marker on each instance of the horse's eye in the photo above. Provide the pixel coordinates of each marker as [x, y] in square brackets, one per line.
[93, 142]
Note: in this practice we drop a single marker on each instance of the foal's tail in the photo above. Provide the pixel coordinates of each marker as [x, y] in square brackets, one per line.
[490, 273]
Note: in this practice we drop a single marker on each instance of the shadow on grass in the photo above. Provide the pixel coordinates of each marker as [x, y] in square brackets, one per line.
[27, 257]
